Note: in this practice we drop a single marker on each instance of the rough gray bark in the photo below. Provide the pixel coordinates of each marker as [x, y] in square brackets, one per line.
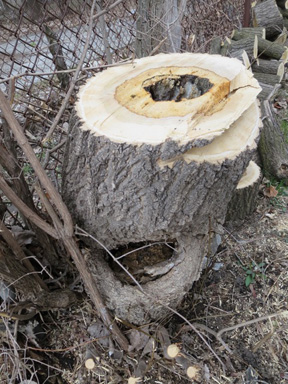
[159, 26]
[136, 200]
[273, 148]
[119, 194]
[268, 16]
[244, 200]
[129, 303]
[266, 66]
[243, 33]
[267, 78]
[265, 48]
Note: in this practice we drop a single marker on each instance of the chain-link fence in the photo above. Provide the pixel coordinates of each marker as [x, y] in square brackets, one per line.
[41, 44]
[39, 37]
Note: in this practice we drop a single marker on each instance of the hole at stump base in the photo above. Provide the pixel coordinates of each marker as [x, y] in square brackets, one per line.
[145, 261]
[178, 88]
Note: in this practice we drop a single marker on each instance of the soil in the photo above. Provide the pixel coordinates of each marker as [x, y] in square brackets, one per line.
[252, 347]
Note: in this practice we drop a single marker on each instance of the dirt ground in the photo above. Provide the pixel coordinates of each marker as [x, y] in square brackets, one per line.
[239, 307]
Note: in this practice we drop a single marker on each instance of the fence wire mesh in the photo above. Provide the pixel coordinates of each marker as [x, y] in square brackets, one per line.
[41, 42]
[41, 37]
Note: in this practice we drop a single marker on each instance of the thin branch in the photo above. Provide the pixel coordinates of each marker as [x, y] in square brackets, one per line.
[75, 77]
[253, 321]
[86, 69]
[19, 253]
[107, 9]
[27, 212]
[63, 231]
[218, 335]
[39, 171]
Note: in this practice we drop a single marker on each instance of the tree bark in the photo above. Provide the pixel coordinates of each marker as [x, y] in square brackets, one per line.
[159, 26]
[58, 56]
[144, 166]
[266, 66]
[267, 78]
[268, 16]
[273, 147]
[244, 200]
[265, 48]
[239, 34]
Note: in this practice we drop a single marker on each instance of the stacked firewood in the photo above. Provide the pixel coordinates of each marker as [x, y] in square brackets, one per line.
[264, 44]
[264, 50]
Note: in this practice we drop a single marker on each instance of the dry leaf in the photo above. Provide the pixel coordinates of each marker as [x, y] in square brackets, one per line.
[270, 191]
[138, 339]
[98, 330]
[149, 347]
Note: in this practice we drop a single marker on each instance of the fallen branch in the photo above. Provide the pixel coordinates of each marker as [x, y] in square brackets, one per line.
[218, 334]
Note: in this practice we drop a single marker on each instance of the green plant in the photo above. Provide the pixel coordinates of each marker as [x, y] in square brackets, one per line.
[281, 190]
[284, 128]
[280, 186]
[253, 271]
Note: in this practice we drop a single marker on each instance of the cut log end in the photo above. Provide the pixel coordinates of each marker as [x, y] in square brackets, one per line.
[90, 363]
[192, 372]
[172, 351]
[134, 380]
[169, 92]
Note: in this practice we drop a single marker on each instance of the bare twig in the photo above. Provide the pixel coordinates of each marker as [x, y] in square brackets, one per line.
[253, 321]
[39, 171]
[101, 13]
[19, 253]
[27, 212]
[218, 334]
[86, 69]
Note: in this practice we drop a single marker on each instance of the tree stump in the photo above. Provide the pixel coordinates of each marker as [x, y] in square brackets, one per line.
[155, 151]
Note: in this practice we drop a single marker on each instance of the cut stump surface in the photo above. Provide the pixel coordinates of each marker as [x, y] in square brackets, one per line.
[155, 150]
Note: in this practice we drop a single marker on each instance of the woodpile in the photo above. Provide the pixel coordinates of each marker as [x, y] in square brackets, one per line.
[263, 49]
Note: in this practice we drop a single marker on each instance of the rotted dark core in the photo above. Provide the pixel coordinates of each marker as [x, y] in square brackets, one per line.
[178, 88]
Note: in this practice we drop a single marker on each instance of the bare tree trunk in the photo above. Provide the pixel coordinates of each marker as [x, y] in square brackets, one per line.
[159, 26]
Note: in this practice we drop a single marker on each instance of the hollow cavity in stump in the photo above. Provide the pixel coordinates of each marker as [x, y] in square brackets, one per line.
[146, 262]
[178, 88]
